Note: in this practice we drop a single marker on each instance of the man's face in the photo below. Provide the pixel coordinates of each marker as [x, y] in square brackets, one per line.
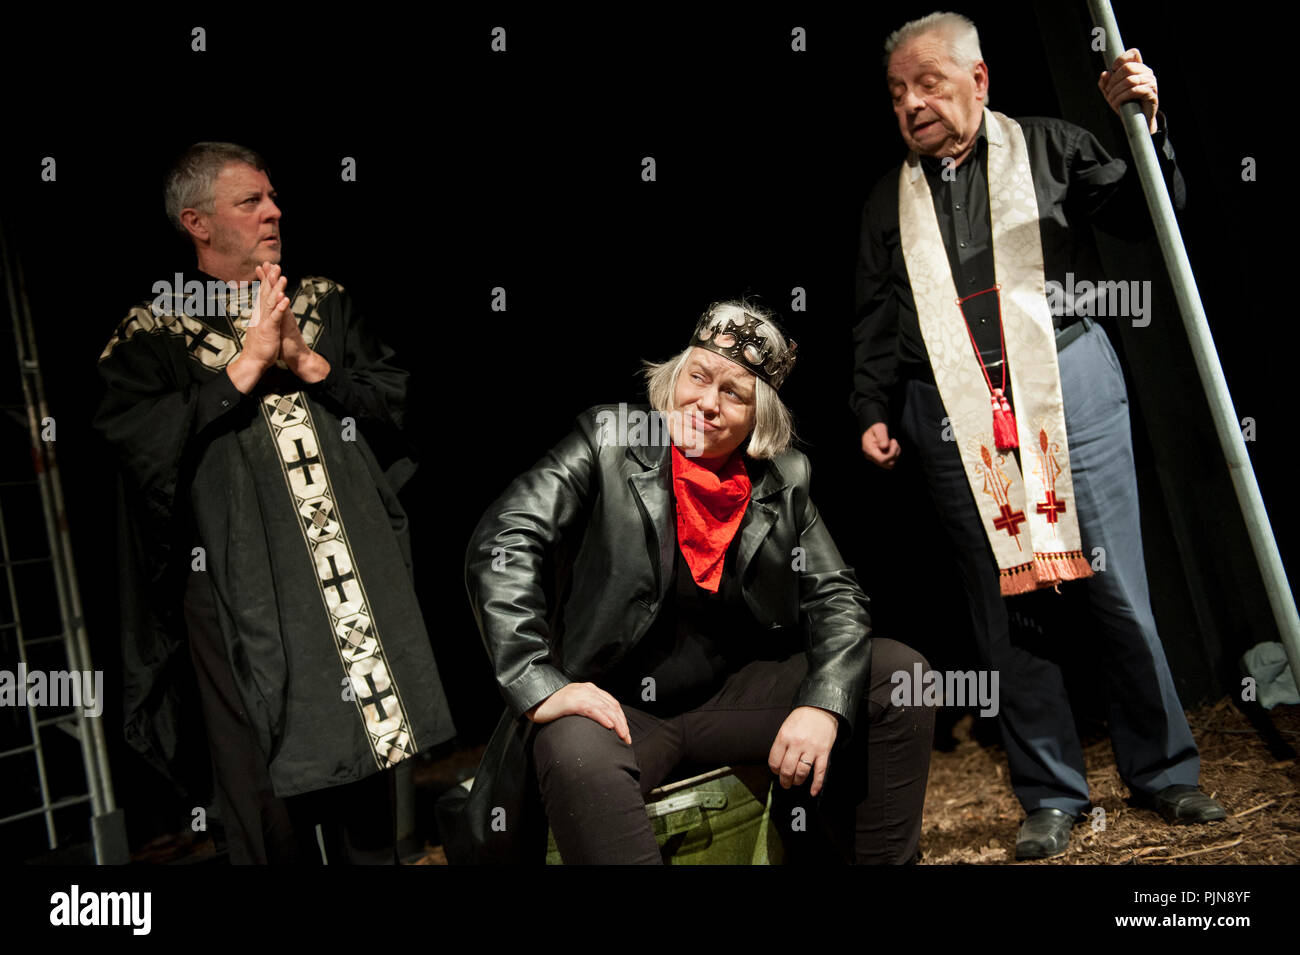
[245, 222]
[939, 105]
[715, 399]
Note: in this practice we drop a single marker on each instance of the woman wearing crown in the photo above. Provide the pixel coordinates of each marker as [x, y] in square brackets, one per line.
[667, 596]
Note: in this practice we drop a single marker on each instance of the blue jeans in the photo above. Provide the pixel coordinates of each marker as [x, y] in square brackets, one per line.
[1153, 744]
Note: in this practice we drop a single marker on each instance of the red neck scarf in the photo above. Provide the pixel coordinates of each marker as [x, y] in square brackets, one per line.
[709, 509]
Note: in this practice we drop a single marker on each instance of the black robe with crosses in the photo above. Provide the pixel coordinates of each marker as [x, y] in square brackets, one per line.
[291, 492]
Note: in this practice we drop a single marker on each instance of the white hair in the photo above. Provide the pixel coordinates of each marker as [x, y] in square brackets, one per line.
[958, 32]
[773, 430]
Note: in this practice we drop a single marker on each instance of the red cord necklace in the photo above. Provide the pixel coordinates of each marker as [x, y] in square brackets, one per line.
[1004, 419]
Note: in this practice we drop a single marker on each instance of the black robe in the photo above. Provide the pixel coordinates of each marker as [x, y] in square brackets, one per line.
[304, 540]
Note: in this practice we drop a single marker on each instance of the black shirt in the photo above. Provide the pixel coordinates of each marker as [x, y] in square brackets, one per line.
[698, 639]
[1075, 181]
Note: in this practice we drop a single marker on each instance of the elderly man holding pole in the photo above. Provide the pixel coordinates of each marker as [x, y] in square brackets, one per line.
[1019, 416]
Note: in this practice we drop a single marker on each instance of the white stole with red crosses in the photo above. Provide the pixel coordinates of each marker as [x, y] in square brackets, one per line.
[1029, 515]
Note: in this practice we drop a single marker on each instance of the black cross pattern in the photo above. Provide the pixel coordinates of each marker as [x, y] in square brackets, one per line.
[338, 580]
[398, 743]
[354, 634]
[318, 514]
[376, 697]
[196, 339]
[303, 461]
[285, 405]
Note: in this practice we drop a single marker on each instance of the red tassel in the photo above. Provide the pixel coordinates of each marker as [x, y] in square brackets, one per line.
[1004, 423]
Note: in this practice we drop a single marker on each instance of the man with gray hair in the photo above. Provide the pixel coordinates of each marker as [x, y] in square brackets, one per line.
[1019, 418]
[259, 433]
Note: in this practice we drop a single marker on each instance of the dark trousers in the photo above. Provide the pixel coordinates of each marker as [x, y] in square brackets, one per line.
[1153, 744]
[356, 820]
[593, 785]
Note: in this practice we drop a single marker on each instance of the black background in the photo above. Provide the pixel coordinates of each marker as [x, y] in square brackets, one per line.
[523, 170]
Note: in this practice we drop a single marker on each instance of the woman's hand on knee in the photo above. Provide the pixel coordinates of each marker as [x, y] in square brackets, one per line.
[583, 699]
[803, 747]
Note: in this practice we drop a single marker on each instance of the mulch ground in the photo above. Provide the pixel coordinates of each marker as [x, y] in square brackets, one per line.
[972, 817]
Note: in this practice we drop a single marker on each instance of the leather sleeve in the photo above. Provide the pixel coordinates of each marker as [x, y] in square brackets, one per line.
[836, 621]
[505, 563]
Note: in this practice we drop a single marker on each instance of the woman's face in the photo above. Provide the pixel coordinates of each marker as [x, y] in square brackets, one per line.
[714, 399]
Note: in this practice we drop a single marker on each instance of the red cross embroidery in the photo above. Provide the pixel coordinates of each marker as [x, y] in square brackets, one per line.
[1051, 507]
[1009, 521]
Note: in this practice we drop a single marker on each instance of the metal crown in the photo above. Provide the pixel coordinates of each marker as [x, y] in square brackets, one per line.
[742, 344]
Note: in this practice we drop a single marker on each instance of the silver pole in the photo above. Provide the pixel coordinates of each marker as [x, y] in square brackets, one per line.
[98, 774]
[108, 830]
[1222, 412]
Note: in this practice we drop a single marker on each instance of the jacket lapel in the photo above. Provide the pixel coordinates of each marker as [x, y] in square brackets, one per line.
[654, 488]
[760, 515]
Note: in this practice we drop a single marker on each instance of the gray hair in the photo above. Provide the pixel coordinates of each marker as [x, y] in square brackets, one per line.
[190, 180]
[773, 430]
[958, 32]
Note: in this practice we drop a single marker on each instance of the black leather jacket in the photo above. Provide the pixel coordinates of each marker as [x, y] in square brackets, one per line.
[592, 522]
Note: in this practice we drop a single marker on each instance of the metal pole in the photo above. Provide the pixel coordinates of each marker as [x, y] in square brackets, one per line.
[45, 476]
[107, 825]
[74, 621]
[1224, 416]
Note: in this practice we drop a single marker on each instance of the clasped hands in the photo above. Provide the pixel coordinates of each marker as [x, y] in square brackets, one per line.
[802, 746]
[272, 337]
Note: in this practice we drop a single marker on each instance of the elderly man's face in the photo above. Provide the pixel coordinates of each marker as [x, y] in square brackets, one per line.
[245, 222]
[938, 104]
[715, 398]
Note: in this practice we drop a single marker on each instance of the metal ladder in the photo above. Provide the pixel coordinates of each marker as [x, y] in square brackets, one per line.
[107, 823]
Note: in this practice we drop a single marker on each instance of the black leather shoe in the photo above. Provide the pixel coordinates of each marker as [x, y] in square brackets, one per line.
[1179, 804]
[1045, 833]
